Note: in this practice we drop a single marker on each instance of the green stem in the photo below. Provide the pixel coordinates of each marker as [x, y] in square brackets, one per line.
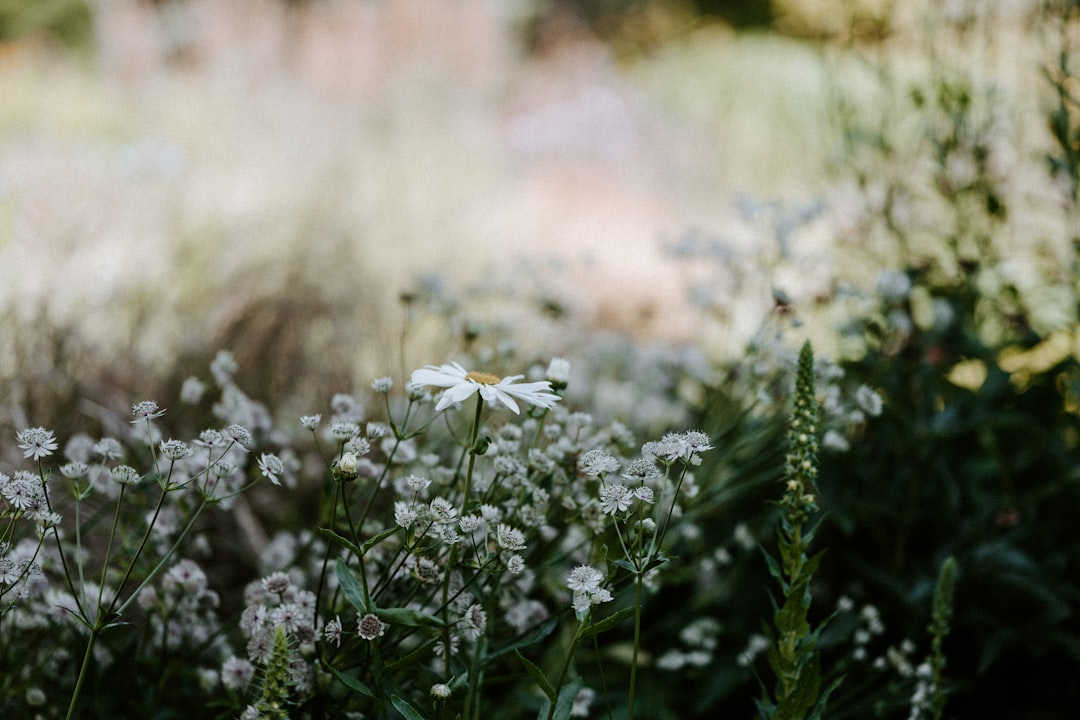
[138, 552]
[60, 548]
[473, 435]
[452, 558]
[639, 582]
[82, 673]
[108, 554]
[164, 559]
[326, 555]
[475, 681]
[566, 666]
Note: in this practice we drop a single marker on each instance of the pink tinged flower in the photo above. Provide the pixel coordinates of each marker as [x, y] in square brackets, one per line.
[332, 631]
[371, 627]
[460, 384]
[271, 467]
[36, 442]
[236, 673]
[238, 434]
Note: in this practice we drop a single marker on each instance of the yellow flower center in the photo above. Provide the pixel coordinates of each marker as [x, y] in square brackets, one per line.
[483, 378]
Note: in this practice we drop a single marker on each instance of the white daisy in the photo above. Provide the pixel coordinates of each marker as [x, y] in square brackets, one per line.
[461, 384]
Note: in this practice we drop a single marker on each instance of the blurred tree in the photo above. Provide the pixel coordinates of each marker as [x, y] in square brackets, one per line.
[68, 21]
[739, 13]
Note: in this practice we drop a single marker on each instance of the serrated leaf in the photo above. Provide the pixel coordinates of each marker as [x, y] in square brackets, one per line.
[607, 623]
[351, 587]
[406, 708]
[538, 677]
[352, 683]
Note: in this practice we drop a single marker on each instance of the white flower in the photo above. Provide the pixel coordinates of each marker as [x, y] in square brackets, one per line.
[509, 538]
[175, 450]
[461, 384]
[474, 623]
[271, 467]
[585, 578]
[596, 462]
[558, 371]
[868, 399]
[36, 442]
[348, 465]
[615, 499]
[404, 514]
[125, 475]
[145, 410]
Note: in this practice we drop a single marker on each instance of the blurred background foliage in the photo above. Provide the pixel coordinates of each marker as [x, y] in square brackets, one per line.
[66, 21]
[949, 155]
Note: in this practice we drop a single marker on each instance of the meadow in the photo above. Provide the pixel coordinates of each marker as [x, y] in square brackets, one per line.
[459, 360]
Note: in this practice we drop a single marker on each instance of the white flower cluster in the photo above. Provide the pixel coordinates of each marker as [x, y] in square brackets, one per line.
[585, 582]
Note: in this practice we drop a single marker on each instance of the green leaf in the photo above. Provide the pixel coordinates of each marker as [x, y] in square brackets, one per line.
[607, 623]
[819, 708]
[342, 541]
[538, 677]
[805, 693]
[564, 704]
[532, 638]
[409, 618]
[352, 683]
[419, 653]
[404, 707]
[373, 541]
[351, 587]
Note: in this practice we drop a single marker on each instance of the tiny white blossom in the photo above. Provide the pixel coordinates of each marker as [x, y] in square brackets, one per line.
[175, 449]
[145, 410]
[404, 514]
[125, 475]
[868, 399]
[597, 463]
[510, 538]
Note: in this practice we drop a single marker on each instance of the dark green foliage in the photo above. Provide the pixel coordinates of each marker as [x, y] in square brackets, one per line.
[792, 654]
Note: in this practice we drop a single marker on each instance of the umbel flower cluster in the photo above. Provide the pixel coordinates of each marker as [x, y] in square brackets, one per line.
[459, 530]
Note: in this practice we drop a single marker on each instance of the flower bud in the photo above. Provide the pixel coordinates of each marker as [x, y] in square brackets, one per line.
[347, 467]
